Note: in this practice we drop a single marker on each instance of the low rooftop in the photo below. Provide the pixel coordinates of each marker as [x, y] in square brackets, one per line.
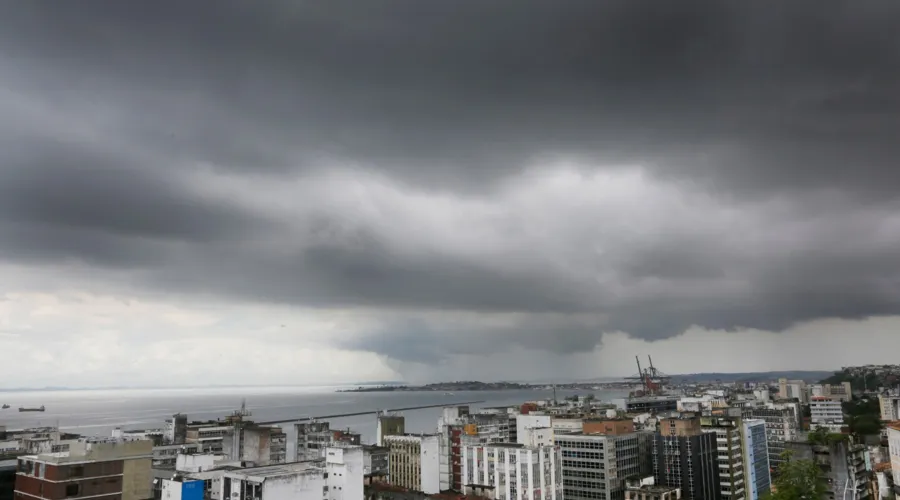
[279, 470]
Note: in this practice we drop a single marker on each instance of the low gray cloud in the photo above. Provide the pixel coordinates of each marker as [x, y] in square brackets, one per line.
[547, 173]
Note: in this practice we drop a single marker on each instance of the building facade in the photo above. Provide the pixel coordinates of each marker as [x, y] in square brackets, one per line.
[756, 458]
[596, 466]
[345, 468]
[389, 425]
[259, 444]
[459, 428]
[103, 469]
[826, 412]
[414, 462]
[512, 471]
[314, 437]
[890, 407]
[781, 426]
[840, 392]
[730, 452]
[685, 457]
[893, 432]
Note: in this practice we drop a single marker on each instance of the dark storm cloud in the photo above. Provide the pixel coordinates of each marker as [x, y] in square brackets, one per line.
[467, 91]
[111, 108]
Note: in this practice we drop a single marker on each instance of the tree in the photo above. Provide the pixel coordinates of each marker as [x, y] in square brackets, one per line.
[797, 480]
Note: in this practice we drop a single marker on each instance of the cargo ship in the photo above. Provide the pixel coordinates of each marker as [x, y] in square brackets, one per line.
[32, 409]
[4, 407]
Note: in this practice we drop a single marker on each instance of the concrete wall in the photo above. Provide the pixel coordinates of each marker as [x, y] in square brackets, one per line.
[171, 490]
[346, 469]
[535, 437]
[524, 422]
[197, 462]
[296, 487]
[137, 479]
[431, 463]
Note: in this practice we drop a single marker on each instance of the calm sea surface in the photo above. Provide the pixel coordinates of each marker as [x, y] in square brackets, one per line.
[98, 412]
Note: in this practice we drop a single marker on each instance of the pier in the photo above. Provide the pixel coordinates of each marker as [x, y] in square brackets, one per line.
[369, 412]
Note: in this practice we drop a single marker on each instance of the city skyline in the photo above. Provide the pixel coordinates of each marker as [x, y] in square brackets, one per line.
[255, 193]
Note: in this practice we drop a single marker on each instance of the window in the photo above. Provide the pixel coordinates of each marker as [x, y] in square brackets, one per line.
[76, 471]
[72, 490]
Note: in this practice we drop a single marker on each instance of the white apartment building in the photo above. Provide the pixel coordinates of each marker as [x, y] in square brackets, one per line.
[530, 421]
[458, 428]
[512, 472]
[345, 467]
[826, 412]
[296, 481]
[890, 407]
[414, 462]
[341, 478]
[893, 431]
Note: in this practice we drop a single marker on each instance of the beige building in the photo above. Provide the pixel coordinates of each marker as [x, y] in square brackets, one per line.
[839, 392]
[681, 425]
[608, 426]
[414, 462]
[107, 469]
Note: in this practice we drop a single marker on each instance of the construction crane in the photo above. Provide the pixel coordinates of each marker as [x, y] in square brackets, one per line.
[652, 380]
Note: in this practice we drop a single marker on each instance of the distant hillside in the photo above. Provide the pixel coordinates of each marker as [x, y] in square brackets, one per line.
[863, 379]
[809, 376]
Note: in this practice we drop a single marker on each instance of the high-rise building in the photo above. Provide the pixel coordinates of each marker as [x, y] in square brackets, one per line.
[106, 469]
[511, 471]
[732, 476]
[686, 457]
[826, 412]
[742, 454]
[175, 431]
[414, 462]
[781, 426]
[756, 458]
[458, 428]
[595, 466]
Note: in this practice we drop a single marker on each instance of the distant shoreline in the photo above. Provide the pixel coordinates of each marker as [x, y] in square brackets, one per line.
[451, 387]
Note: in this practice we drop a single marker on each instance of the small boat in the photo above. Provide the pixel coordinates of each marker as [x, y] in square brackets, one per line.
[32, 409]
[4, 407]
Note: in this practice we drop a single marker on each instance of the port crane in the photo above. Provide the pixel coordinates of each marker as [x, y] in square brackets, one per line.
[652, 380]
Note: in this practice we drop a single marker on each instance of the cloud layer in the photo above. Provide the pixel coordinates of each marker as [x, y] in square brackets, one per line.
[481, 178]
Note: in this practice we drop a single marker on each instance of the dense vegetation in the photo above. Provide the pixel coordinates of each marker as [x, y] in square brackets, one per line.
[797, 479]
[825, 437]
[863, 416]
[859, 383]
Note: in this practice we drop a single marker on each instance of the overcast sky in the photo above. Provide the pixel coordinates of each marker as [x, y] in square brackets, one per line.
[336, 191]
